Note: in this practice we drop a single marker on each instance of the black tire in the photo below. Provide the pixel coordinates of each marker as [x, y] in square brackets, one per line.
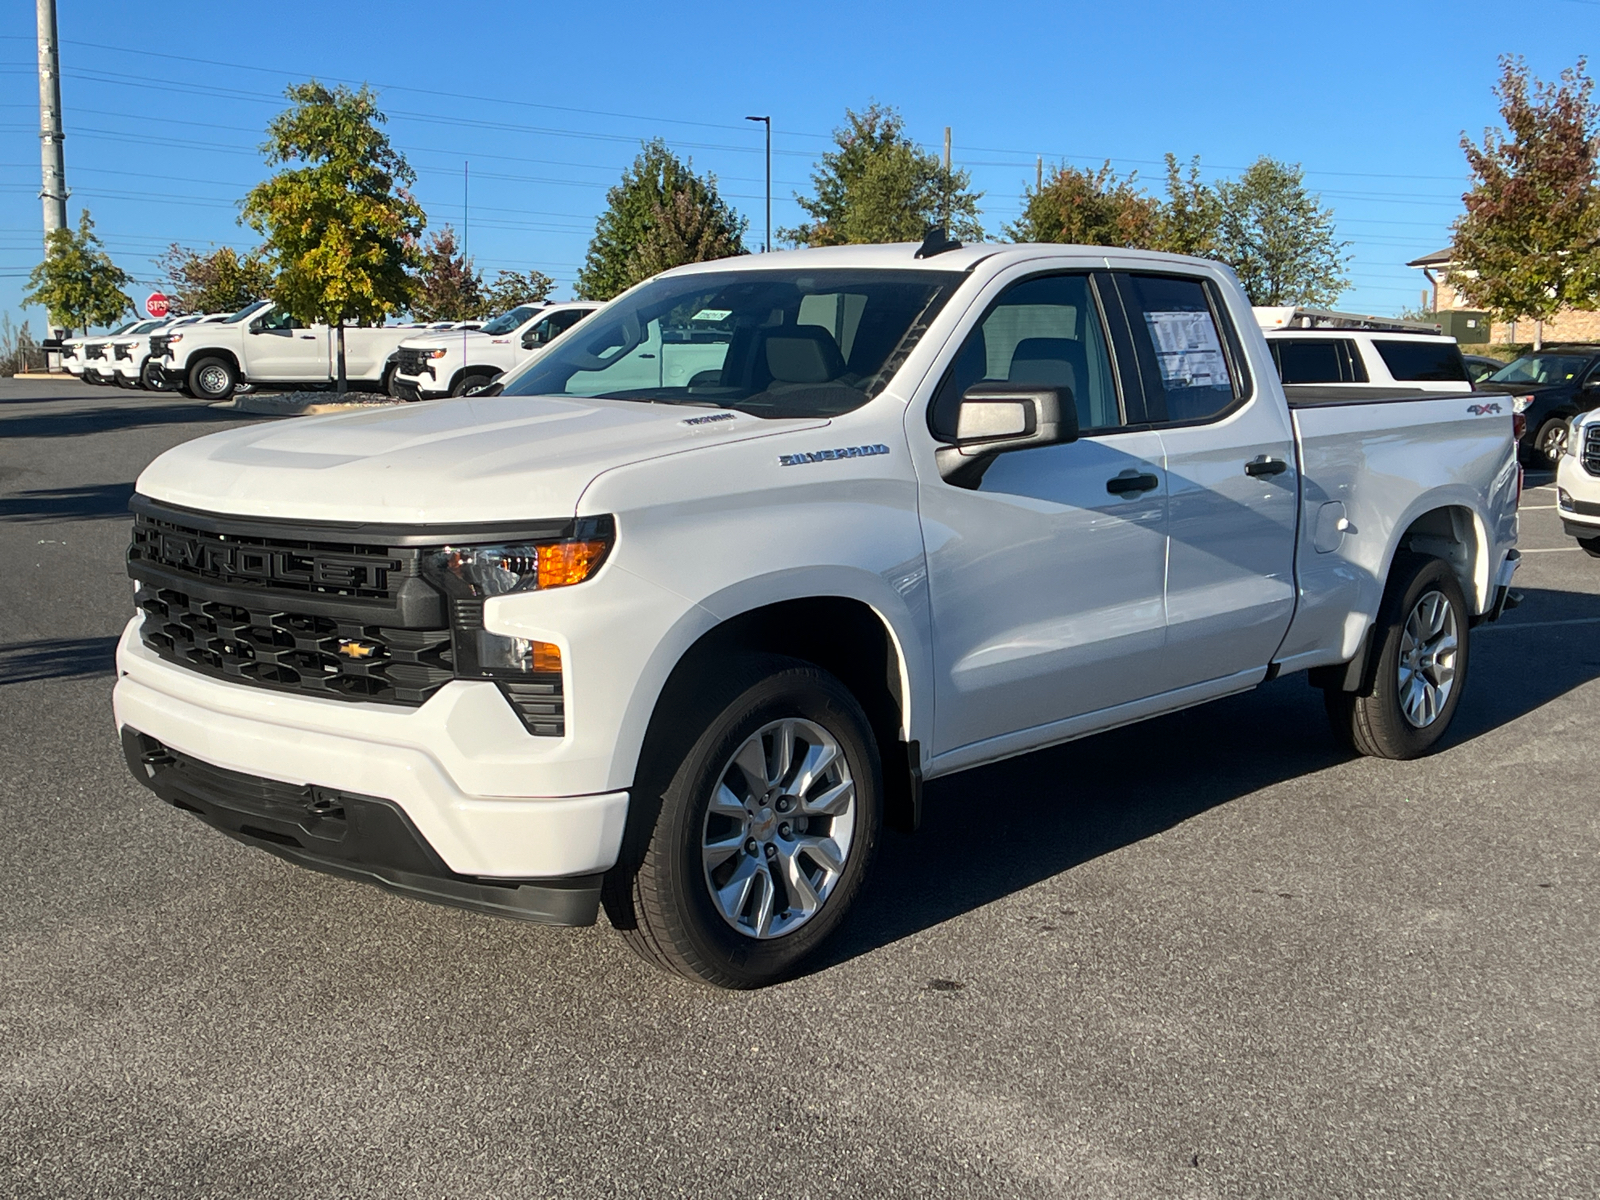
[1376, 723]
[1550, 442]
[1590, 546]
[660, 894]
[212, 379]
[150, 378]
[468, 384]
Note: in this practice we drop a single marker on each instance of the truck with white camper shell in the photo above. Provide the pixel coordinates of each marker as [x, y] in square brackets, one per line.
[439, 363]
[263, 344]
[681, 647]
[1315, 347]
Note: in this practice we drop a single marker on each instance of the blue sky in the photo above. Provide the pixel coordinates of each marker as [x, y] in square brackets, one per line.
[165, 105]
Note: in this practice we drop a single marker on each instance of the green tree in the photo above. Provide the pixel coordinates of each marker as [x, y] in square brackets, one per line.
[1189, 220]
[683, 231]
[877, 185]
[340, 228]
[1087, 208]
[511, 288]
[77, 283]
[221, 280]
[1278, 238]
[650, 188]
[1529, 242]
[447, 286]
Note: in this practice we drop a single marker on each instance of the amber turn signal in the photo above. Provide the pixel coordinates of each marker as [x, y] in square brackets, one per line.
[543, 656]
[562, 564]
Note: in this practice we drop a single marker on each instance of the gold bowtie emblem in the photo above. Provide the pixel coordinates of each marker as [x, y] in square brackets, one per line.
[353, 649]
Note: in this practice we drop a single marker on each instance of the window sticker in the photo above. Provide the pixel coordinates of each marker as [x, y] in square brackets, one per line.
[1188, 349]
[712, 314]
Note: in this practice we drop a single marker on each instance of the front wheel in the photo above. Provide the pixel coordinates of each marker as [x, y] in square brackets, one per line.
[1590, 546]
[471, 385]
[1422, 648]
[150, 377]
[763, 832]
[212, 379]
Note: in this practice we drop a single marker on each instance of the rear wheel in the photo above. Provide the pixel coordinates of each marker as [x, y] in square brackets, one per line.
[1551, 441]
[212, 379]
[1422, 650]
[763, 814]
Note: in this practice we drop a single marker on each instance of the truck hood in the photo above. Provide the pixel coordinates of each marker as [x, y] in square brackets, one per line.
[433, 339]
[476, 459]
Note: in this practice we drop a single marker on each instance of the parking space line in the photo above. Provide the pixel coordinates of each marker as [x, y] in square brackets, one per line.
[1536, 507]
[1553, 550]
[1537, 624]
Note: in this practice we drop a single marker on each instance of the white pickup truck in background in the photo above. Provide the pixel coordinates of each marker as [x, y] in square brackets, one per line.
[1316, 347]
[431, 365]
[262, 344]
[681, 618]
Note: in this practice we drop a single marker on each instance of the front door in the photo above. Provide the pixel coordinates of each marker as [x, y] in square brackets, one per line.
[1045, 581]
[1232, 481]
[285, 349]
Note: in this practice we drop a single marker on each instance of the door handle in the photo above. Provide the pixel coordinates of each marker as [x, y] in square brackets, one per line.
[1132, 481]
[1265, 464]
[308, 337]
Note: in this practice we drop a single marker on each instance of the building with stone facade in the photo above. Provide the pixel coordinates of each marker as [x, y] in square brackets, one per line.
[1569, 325]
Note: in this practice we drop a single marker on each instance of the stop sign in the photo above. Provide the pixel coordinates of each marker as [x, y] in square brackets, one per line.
[156, 304]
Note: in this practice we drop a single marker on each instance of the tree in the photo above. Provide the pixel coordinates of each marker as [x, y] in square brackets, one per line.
[650, 188]
[879, 186]
[77, 284]
[511, 288]
[1278, 238]
[1529, 242]
[341, 228]
[1087, 208]
[1190, 220]
[447, 286]
[222, 280]
[682, 231]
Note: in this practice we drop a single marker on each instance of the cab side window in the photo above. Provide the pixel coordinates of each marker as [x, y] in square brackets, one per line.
[279, 321]
[1187, 375]
[1041, 331]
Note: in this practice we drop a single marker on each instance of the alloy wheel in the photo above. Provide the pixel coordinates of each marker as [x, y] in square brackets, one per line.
[779, 828]
[1427, 664]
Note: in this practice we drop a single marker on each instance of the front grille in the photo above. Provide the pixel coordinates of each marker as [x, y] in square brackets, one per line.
[94, 350]
[258, 603]
[159, 345]
[1591, 449]
[413, 362]
[122, 351]
[296, 652]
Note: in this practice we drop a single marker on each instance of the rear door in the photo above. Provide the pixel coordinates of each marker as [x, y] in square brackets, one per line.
[1232, 485]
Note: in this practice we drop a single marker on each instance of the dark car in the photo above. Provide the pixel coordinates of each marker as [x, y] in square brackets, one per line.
[1548, 387]
[1481, 366]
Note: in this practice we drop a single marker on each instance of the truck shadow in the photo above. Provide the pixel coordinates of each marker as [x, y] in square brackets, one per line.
[57, 658]
[88, 502]
[996, 830]
[77, 421]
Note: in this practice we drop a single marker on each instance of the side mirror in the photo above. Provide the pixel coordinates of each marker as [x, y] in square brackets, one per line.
[253, 327]
[995, 418]
[530, 340]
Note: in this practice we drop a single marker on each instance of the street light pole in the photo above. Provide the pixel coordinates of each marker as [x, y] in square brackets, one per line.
[53, 164]
[767, 121]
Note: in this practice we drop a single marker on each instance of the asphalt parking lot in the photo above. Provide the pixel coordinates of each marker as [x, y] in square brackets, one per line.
[1206, 956]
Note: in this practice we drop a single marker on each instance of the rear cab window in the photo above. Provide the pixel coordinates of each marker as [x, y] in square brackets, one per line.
[1317, 360]
[1188, 355]
[1419, 361]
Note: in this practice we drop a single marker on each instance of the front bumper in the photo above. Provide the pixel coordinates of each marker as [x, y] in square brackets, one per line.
[357, 837]
[461, 768]
[407, 388]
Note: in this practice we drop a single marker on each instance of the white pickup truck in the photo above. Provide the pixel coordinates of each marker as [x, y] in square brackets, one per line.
[436, 364]
[682, 646]
[263, 344]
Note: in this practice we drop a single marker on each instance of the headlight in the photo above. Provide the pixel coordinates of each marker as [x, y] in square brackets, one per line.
[495, 570]
[434, 353]
[1574, 438]
[1520, 403]
[174, 338]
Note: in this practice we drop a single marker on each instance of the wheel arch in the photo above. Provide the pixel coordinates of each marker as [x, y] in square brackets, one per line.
[845, 636]
[1455, 533]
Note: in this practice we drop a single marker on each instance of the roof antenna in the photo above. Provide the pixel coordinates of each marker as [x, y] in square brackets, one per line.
[936, 241]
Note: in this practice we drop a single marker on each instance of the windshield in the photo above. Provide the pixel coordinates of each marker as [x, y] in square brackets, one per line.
[245, 312]
[770, 343]
[1542, 368]
[506, 322]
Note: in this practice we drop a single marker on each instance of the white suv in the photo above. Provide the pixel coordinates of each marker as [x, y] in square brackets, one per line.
[1578, 482]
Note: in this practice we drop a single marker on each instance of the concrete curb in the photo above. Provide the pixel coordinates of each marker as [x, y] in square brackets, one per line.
[298, 404]
[59, 376]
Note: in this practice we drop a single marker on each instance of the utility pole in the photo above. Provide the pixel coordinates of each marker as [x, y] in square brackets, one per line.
[52, 159]
[1038, 175]
[767, 121]
[945, 206]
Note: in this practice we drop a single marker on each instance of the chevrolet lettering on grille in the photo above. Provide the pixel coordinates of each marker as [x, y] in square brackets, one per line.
[189, 553]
